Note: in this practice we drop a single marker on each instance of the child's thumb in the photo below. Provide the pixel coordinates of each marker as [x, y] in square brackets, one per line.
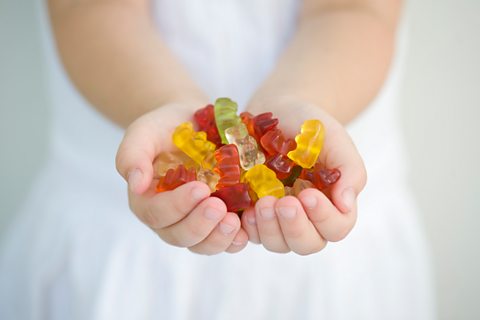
[134, 160]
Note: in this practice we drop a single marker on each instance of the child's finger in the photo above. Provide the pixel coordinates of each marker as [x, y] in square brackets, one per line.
[144, 139]
[249, 223]
[136, 154]
[327, 219]
[268, 227]
[197, 225]
[167, 208]
[299, 233]
[340, 152]
[220, 238]
[239, 242]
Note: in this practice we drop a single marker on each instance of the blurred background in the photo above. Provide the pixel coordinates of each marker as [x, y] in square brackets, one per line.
[441, 111]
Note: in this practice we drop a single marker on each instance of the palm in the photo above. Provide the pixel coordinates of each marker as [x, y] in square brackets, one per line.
[186, 216]
[304, 224]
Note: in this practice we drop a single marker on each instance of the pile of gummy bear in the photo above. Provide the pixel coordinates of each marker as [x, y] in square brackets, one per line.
[244, 158]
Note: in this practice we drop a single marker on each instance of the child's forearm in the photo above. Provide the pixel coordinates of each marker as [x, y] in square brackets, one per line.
[112, 52]
[337, 59]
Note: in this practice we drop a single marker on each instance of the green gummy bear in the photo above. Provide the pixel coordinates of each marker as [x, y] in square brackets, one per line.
[225, 116]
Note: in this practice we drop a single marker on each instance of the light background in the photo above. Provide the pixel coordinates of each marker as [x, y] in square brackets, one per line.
[441, 114]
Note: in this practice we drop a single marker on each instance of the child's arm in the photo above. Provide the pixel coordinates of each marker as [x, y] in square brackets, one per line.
[338, 57]
[334, 65]
[115, 57]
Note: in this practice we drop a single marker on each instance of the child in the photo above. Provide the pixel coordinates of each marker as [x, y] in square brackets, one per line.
[147, 66]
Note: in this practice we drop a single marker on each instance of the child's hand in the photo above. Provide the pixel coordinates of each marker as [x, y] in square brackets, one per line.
[186, 216]
[304, 225]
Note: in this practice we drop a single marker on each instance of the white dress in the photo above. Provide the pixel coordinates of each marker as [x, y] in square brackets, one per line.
[77, 252]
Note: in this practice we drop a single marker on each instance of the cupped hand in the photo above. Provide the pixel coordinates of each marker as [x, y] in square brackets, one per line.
[305, 224]
[187, 216]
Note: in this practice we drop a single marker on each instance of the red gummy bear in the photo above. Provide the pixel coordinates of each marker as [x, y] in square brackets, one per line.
[273, 142]
[236, 197]
[175, 178]
[228, 165]
[260, 124]
[281, 164]
[321, 177]
[247, 119]
[205, 119]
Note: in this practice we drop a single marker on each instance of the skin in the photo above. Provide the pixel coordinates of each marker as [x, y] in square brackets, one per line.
[130, 75]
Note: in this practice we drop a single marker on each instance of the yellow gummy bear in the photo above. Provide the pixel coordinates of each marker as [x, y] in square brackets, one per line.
[195, 145]
[264, 182]
[309, 144]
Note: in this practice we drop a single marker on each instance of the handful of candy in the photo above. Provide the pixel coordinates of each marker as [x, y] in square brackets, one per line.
[244, 158]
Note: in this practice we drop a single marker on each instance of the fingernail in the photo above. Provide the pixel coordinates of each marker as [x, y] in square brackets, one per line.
[267, 213]
[226, 228]
[134, 179]
[287, 212]
[199, 193]
[213, 214]
[348, 197]
[251, 219]
[310, 202]
[238, 243]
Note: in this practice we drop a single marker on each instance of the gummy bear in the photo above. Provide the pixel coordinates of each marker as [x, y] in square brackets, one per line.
[298, 186]
[210, 178]
[175, 178]
[258, 125]
[246, 118]
[294, 174]
[170, 160]
[321, 177]
[205, 119]
[289, 191]
[228, 165]
[264, 182]
[195, 145]
[309, 144]
[281, 164]
[248, 150]
[225, 111]
[274, 142]
[236, 197]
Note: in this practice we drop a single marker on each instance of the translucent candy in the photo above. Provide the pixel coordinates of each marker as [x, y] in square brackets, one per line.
[281, 164]
[298, 186]
[321, 177]
[264, 182]
[225, 116]
[228, 165]
[273, 142]
[195, 145]
[171, 160]
[175, 178]
[309, 144]
[250, 154]
[208, 177]
[258, 125]
[205, 120]
[294, 174]
[236, 197]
